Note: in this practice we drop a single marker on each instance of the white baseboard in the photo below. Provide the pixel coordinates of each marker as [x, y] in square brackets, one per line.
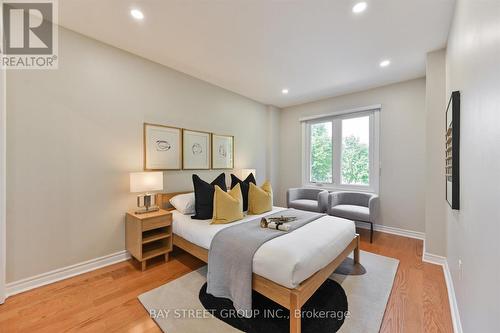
[443, 262]
[36, 281]
[434, 259]
[392, 230]
[455, 315]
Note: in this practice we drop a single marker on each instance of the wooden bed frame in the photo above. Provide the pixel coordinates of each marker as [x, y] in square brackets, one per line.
[292, 299]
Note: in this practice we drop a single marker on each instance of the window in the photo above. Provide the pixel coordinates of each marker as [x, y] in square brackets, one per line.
[341, 151]
[355, 161]
[321, 152]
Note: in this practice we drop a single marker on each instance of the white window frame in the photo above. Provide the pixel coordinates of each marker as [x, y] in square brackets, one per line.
[374, 150]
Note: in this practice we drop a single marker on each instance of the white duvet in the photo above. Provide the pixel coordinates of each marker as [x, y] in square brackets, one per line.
[287, 260]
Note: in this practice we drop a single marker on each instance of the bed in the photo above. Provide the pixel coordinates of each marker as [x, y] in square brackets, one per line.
[288, 275]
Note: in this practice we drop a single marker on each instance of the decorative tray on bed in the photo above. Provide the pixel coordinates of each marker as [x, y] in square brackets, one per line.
[278, 220]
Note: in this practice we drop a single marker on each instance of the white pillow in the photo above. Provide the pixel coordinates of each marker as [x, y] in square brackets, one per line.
[184, 203]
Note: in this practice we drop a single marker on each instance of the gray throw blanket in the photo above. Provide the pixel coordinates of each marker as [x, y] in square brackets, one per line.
[230, 259]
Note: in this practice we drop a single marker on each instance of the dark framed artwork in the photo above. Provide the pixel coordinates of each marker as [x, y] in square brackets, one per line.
[452, 162]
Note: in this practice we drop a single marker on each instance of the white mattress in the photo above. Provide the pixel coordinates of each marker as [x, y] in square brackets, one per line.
[287, 260]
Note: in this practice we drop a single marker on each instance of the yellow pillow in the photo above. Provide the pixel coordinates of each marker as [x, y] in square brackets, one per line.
[260, 199]
[228, 207]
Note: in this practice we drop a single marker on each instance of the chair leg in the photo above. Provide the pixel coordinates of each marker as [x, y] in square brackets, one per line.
[371, 232]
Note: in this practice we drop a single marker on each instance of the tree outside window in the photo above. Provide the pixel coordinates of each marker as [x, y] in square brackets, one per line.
[321, 152]
[352, 157]
[355, 161]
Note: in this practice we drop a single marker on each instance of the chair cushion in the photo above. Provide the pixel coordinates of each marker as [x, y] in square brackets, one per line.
[351, 212]
[305, 204]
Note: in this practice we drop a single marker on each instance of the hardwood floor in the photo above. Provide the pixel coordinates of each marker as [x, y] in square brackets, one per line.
[105, 300]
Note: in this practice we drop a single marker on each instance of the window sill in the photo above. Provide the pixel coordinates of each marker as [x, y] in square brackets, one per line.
[352, 188]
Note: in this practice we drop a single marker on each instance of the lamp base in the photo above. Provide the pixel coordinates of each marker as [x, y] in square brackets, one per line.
[146, 203]
[147, 210]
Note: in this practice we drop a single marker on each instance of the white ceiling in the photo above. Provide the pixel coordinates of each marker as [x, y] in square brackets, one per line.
[315, 48]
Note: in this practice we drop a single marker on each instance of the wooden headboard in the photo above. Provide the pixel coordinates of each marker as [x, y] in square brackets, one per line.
[162, 199]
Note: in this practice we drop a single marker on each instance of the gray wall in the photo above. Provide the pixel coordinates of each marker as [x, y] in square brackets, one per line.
[3, 127]
[473, 67]
[402, 148]
[75, 133]
[272, 151]
[435, 105]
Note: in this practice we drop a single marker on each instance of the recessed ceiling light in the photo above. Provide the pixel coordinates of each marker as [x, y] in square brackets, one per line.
[137, 14]
[359, 7]
[385, 63]
[284, 91]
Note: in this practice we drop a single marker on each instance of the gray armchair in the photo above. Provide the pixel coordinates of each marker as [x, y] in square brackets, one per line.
[310, 199]
[356, 206]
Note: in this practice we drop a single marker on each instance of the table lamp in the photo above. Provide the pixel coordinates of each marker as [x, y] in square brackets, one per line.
[145, 183]
[246, 172]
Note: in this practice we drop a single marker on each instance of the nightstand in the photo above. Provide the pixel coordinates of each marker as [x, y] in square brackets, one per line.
[149, 235]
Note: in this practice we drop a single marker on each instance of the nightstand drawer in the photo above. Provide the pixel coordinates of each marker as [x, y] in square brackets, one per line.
[156, 222]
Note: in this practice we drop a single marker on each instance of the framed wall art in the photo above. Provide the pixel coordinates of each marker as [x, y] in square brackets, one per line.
[196, 150]
[162, 147]
[222, 151]
[452, 155]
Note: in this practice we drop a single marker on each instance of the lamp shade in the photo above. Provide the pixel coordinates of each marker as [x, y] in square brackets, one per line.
[244, 173]
[146, 181]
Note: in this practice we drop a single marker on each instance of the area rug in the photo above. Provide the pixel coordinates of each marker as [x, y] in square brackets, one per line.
[324, 312]
[176, 306]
